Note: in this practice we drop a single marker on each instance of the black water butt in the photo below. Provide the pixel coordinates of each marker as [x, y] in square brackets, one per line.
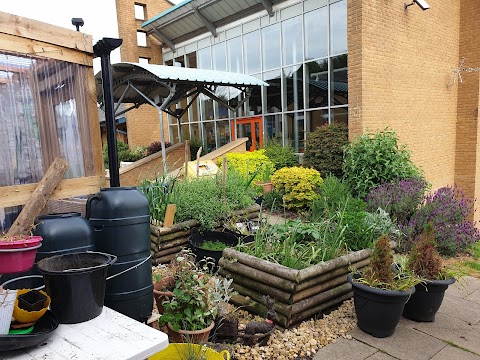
[121, 222]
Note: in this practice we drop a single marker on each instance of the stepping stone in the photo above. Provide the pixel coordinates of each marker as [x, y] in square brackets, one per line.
[475, 297]
[344, 349]
[464, 287]
[461, 309]
[405, 343]
[453, 353]
[380, 356]
[453, 330]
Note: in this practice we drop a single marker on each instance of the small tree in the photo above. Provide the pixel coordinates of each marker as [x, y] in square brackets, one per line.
[424, 259]
[381, 264]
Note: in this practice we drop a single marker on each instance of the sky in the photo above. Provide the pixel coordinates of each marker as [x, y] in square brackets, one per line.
[99, 16]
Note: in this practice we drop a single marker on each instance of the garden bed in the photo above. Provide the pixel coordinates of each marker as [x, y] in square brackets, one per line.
[299, 294]
[167, 242]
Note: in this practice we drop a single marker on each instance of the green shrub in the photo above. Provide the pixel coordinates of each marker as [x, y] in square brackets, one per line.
[281, 156]
[124, 153]
[373, 159]
[195, 144]
[332, 197]
[272, 200]
[250, 165]
[324, 149]
[155, 147]
[298, 185]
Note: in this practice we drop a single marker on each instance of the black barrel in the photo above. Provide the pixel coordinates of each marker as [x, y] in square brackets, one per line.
[121, 222]
[63, 233]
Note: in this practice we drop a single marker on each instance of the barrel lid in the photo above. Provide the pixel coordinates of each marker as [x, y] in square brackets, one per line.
[58, 216]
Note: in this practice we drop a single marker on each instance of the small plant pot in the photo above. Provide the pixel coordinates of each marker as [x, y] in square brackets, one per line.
[7, 302]
[267, 186]
[159, 292]
[33, 300]
[190, 351]
[196, 241]
[427, 299]
[186, 336]
[378, 311]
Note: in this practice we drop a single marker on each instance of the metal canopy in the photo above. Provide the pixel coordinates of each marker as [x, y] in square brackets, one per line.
[165, 86]
[194, 17]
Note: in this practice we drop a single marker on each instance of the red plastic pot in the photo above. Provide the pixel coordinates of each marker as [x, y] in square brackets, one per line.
[18, 256]
[21, 243]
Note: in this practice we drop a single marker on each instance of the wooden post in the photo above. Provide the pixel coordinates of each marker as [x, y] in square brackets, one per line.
[224, 170]
[198, 161]
[187, 156]
[169, 214]
[24, 222]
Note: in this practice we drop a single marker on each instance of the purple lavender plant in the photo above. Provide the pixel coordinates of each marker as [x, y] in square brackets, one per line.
[400, 199]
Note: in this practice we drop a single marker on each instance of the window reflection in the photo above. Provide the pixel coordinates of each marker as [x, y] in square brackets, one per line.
[340, 116]
[223, 132]
[316, 118]
[292, 41]
[273, 92]
[219, 58]
[316, 33]
[295, 130]
[293, 88]
[273, 125]
[204, 59]
[338, 27]
[339, 80]
[251, 50]
[234, 52]
[209, 136]
[317, 85]
[271, 47]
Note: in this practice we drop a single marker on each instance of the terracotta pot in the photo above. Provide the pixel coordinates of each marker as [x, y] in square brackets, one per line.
[185, 336]
[267, 186]
[160, 294]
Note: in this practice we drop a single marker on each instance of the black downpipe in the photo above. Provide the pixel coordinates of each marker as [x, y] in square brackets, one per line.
[102, 49]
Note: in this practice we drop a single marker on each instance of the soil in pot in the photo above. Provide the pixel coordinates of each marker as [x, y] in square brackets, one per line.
[378, 311]
[197, 240]
[427, 299]
[186, 336]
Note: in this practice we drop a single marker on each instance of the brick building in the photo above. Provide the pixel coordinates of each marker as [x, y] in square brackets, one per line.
[369, 63]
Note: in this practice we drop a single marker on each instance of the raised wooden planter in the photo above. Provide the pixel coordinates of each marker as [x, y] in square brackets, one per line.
[167, 242]
[299, 294]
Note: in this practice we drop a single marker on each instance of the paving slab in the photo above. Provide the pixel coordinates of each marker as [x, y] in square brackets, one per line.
[461, 309]
[380, 356]
[475, 297]
[344, 349]
[406, 343]
[464, 287]
[451, 329]
[453, 353]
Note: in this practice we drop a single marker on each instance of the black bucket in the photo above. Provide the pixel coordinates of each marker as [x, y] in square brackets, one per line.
[76, 284]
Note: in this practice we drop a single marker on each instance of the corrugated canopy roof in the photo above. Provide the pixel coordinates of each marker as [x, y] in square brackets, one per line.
[156, 82]
[194, 17]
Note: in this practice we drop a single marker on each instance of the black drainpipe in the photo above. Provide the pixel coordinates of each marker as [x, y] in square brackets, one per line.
[102, 49]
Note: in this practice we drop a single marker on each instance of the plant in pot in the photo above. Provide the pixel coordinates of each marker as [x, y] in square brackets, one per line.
[190, 312]
[226, 321]
[379, 294]
[208, 246]
[425, 262]
[266, 174]
[163, 276]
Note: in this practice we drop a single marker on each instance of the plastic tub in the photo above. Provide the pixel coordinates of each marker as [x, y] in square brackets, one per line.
[22, 242]
[25, 282]
[14, 260]
[7, 301]
[76, 284]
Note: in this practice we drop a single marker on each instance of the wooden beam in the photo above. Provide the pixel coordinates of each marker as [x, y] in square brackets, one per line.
[205, 21]
[19, 194]
[267, 4]
[47, 33]
[164, 39]
[37, 48]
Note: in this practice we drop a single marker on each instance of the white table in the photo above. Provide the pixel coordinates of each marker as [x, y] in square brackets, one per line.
[110, 336]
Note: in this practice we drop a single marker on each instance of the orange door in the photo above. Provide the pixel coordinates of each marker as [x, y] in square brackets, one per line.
[252, 128]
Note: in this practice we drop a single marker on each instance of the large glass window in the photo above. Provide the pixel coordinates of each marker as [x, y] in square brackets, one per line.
[292, 41]
[251, 51]
[223, 132]
[219, 57]
[339, 80]
[234, 55]
[293, 88]
[295, 130]
[273, 92]
[204, 59]
[316, 73]
[340, 116]
[209, 136]
[271, 47]
[316, 118]
[338, 27]
[274, 127]
[316, 33]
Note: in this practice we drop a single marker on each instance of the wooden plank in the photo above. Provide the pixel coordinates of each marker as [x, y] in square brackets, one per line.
[169, 214]
[94, 124]
[19, 194]
[51, 34]
[38, 48]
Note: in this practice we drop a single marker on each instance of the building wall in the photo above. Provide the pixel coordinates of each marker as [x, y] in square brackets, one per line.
[467, 150]
[143, 124]
[401, 75]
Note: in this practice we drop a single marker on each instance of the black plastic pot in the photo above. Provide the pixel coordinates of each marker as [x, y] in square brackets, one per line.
[76, 284]
[31, 301]
[378, 311]
[428, 297]
[196, 241]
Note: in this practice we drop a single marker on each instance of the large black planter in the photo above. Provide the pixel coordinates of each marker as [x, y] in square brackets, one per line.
[428, 297]
[378, 311]
[196, 240]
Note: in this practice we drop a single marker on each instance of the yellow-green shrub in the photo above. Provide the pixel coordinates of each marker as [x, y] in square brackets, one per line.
[298, 185]
[249, 163]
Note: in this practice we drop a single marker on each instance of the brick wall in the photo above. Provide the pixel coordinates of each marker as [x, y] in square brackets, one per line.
[143, 123]
[401, 76]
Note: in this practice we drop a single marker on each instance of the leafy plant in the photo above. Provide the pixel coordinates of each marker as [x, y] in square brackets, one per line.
[155, 147]
[124, 153]
[195, 144]
[250, 165]
[213, 245]
[298, 185]
[273, 200]
[376, 158]
[400, 198]
[324, 149]
[448, 211]
[281, 156]
[332, 197]
[159, 192]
